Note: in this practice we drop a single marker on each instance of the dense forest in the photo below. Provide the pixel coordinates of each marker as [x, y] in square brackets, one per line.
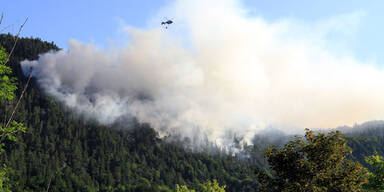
[60, 152]
[69, 154]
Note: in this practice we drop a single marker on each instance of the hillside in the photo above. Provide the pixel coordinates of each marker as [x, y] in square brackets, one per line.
[365, 139]
[69, 154]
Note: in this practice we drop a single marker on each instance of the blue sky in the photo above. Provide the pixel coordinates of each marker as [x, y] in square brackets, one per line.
[100, 22]
[367, 42]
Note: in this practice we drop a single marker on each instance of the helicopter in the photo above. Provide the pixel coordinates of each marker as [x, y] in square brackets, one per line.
[167, 23]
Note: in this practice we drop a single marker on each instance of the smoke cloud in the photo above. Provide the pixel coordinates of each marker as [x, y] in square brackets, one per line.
[218, 72]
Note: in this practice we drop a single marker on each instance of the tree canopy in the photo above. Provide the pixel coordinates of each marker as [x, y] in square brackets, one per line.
[317, 162]
[376, 176]
[209, 186]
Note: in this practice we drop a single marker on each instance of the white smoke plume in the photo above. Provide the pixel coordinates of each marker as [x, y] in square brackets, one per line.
[218, 72]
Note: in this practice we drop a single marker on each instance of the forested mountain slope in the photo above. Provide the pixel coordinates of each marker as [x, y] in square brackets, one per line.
[66, 153]
[69, 154]
[365, 139]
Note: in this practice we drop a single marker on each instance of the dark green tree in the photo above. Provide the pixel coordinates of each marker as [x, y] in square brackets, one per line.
[317, 162]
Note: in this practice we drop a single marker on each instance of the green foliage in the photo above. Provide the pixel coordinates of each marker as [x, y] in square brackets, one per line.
[7, 84]
[3, 56]
[162, 188]
[183, 188]
[9, 133]
[4, 180]
[7, 88]
[212, 186]
[316, 163]
[209, 186]
[376, 177]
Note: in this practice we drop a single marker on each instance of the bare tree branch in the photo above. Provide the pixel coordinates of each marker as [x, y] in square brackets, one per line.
[29, 78]
[1, 19]
[50, 179]
[18, 101]
[6, 27]
[17, 38]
